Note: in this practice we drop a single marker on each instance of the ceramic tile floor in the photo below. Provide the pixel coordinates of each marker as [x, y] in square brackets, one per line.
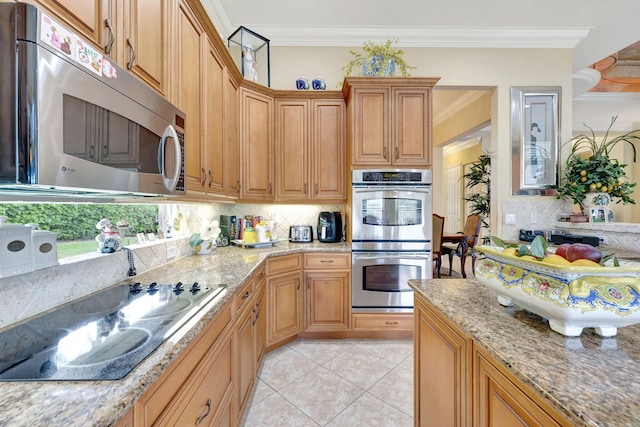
[313, 382]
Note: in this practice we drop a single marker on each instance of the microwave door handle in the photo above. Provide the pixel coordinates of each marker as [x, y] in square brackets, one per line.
[169, 132]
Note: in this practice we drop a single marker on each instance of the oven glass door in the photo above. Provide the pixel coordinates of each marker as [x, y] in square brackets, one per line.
[391, 214]
[379, 280]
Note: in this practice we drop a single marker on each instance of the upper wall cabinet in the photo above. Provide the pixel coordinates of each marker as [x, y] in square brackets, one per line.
[389, 121]
[133, 33]
[256, 145]
[310, 150]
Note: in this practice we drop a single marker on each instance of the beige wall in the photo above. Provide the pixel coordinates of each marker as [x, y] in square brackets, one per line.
[459, 67]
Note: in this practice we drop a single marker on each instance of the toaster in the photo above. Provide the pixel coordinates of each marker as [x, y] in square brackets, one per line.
[301, 233]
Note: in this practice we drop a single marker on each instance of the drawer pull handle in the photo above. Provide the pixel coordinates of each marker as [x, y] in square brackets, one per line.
[203, 416]
[390, 323]
[326, 260]
[246, 295]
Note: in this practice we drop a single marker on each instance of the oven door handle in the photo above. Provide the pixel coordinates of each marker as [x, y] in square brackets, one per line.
[390, 255]
[369, 189]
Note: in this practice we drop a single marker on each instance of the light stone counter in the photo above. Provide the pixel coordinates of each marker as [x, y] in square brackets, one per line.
[590, 379]
[103, 403]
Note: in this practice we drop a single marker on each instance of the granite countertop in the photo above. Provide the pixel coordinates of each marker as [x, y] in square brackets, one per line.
[590, 379]
[103, 403]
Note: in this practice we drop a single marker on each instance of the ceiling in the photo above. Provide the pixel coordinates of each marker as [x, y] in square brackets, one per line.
[593, 29]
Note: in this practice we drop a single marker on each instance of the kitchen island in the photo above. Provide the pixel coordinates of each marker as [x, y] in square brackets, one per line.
[104, 403]
[586, 380]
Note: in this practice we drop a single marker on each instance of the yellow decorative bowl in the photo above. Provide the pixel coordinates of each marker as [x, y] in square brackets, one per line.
[570, 297]
[250, 235]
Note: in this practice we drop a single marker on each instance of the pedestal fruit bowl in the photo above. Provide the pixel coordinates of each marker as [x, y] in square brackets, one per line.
[571, 297]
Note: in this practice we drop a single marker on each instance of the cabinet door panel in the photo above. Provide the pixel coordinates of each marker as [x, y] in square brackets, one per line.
[442, 377]
[500, 403]
[188, 92]
[328, 156]
[256, 145]
[292, 142]
[283, 302]
[412, 135]
[145, 41]
[328, 300]
[245, 356]
[213, 120]
[231, 115]
[371, 126]
[87, 17]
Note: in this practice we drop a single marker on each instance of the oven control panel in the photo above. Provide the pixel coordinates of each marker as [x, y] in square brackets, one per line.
[392, 176]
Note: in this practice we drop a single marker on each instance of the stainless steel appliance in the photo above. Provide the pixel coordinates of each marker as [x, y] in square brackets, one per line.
[391, 237]
[74, 122]
[103, 336]
[329, 227]
[301, 233]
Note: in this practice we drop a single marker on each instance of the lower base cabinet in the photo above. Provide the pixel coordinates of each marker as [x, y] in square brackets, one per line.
[199, 386]
[457, 383]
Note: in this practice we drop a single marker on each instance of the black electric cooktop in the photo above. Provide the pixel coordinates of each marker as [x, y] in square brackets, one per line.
[102, 336]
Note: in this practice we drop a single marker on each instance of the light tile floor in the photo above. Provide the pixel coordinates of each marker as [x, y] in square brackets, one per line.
[313, 382]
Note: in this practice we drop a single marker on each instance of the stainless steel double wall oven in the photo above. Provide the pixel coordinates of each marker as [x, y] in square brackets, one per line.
[391, 236]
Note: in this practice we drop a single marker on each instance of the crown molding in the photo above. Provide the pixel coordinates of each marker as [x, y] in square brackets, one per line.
[458, 146]
[425, 37]
[451, 109]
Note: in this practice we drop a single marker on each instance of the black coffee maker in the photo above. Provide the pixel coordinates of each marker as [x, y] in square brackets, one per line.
[329, 227]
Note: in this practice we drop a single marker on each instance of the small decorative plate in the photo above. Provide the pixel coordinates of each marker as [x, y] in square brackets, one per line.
[257, 244]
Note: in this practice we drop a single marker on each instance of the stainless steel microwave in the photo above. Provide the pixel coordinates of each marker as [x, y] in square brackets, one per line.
[72, 122]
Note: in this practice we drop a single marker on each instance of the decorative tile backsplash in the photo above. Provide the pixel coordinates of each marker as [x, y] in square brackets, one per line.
[620, 236]
[27, 295]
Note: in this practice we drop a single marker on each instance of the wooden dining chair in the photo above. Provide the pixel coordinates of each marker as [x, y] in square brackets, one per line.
[471, 232]
[436, 247]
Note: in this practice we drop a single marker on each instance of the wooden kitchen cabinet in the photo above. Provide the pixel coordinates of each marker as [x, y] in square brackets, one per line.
[442, 371]
[93, 20]
[133, 33]
[199, 381]
[389, 121]
[328, 291]
[144, 47]
[260, 318]
[310, 150]
[458, 383]
[284, 298]
[500, 400]
[256, 145]
[245, 332]
[231, 113]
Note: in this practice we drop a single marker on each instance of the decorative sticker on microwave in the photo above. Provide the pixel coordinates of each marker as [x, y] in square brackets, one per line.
[108, 70]
[56, 36]
[89, 57]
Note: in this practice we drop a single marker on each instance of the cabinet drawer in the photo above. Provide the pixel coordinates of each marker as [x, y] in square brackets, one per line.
[243, 297]
[382, 322]
[283, 264]
[327, 260]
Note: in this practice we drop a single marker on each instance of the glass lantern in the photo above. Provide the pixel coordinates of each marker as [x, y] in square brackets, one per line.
[251, 53]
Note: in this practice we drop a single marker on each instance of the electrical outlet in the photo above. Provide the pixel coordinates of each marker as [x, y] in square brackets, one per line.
[604, 240]
[509, 218]
[171, 252]
[534, 218]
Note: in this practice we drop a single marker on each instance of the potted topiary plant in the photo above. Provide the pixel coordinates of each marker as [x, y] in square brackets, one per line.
[378, 60]
[479, 173]
[591, 177]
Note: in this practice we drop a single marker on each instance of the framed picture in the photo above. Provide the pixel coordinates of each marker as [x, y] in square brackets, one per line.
[534, 138]
[598, 215]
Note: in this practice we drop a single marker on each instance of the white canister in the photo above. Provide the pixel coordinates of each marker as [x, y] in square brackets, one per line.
[45, 251]
[16, 249]
[263, 233]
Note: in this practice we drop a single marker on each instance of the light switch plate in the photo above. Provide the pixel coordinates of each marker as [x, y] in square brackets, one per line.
[509, 218]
